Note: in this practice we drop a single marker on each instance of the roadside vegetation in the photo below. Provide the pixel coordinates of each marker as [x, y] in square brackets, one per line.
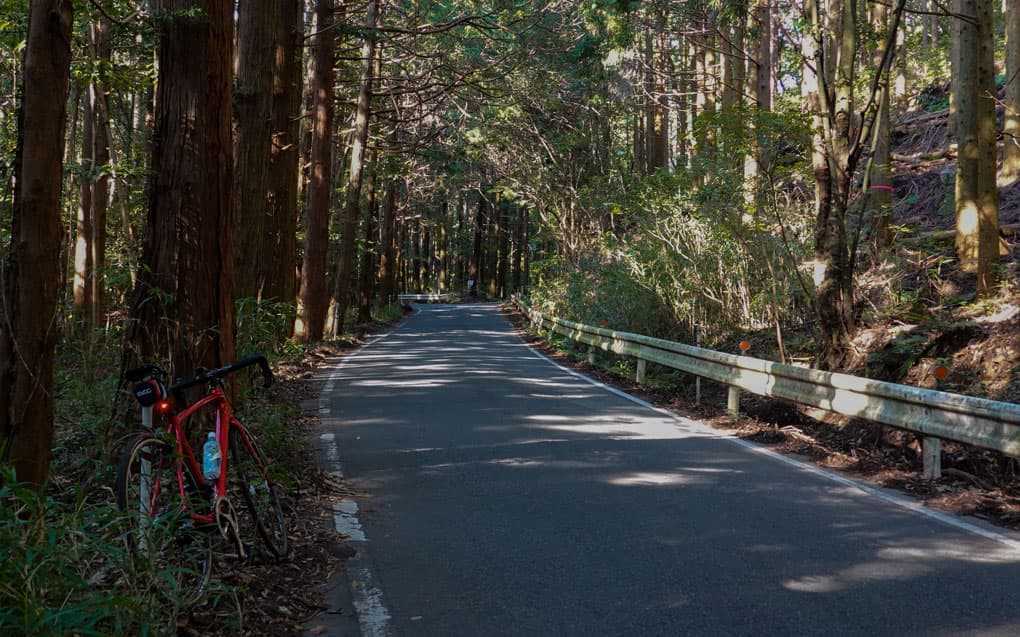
[185, 182]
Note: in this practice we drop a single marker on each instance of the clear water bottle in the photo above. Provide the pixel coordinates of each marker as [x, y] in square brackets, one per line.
[211, 457]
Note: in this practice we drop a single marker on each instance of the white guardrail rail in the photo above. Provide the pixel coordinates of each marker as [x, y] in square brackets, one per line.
[423, 298]
[936, 415]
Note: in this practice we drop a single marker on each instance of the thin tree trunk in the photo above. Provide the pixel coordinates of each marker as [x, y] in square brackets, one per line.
[182, 313]
[32, 266]
[83, 222]
[757, 163]
[651, 133]
[879, 196]
[101, 185]
[352, 203]
[1010, 172]
[313, 298]
[977, 205]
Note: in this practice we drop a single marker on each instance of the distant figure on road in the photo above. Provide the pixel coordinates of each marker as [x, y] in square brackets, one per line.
[472, 292]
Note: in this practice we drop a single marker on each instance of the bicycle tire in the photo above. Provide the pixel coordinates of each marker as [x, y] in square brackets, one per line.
[162, 538]
[258, 491]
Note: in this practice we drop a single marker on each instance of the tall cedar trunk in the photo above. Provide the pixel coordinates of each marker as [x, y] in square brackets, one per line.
[515, 276]
[366, 288]
[257, 25]
[400, 260]
[682, 89]
[650, 136]
[32, 267]
[459, 265]
[661, 118]
[352, 202]
[279, 243]
[491, 261]
[739, 56]
[101, 156]
[415, 238]
[879, 195]
[503, 264]
[1011, 126]
[388, 256]
[977, 197]
[441, 249]
[183, 309]
[526, 217]
[182, 312]
[474, 266]
[313, 298]
[427, 255]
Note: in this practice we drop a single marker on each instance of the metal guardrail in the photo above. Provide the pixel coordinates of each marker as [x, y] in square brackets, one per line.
[937, 415]
[423, 298]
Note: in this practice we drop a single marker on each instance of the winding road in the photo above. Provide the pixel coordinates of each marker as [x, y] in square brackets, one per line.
[505, 495]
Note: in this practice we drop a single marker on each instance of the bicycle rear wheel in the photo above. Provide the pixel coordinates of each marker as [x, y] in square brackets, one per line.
[250, 476]
[159, 532]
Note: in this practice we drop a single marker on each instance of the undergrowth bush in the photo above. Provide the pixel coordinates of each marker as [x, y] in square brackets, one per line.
[64, 569]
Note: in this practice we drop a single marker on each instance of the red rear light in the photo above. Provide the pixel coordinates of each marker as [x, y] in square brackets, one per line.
[163, 406]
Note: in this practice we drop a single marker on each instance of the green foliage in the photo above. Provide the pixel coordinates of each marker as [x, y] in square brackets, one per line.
[264, 326]
[65, 570]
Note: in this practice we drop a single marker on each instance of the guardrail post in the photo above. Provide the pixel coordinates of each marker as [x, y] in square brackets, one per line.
[642, 367]
[733, 401]
[591, 354]
[931, 452]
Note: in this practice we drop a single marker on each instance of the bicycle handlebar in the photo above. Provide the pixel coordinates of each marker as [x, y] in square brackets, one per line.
[203, 375]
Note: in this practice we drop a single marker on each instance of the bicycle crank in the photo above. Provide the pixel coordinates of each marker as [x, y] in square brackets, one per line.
[226, 522]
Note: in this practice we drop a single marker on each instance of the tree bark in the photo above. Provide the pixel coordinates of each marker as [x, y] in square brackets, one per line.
[474, 266]
[977, 204]
[32, 267]
[352, 202]
[1010, 172]
[257, 25]
[101, 157]
[182, 313]
[368, 268]
[879, 195]
[503, 237]
[280, 243]
[518, 250]
[388, 257]
[313, 298]
[757, 162]
[83, 235]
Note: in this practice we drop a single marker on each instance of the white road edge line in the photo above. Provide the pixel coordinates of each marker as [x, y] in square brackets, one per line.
[366, 595]
[865, 489]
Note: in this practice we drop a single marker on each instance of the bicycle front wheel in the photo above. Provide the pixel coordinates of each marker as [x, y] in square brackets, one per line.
[258, 492]
[164, 543]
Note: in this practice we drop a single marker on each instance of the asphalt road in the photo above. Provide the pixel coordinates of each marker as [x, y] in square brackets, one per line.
[506, 496]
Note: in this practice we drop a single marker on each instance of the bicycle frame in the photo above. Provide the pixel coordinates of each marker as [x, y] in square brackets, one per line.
[176, 426]
[224, 420]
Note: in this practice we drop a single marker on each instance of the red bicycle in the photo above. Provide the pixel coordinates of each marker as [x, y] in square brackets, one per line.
[175, 503]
